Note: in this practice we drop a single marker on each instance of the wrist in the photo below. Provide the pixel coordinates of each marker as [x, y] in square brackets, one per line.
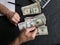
[10, 14]
[4, 10]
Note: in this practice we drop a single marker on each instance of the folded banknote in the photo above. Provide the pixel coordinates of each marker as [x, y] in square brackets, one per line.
[42, 30]
[34, 8]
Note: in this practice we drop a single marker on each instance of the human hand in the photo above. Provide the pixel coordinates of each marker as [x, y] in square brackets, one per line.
[28, 34]
[14, 18]
[25, 35]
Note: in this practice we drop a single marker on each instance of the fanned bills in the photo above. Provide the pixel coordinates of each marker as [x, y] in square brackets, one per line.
[39, 21]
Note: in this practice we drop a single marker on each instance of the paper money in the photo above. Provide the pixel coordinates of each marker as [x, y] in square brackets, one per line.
[22, 25]
[42, 30]
[28, 18]
[40, 16]
[34, 8]
[36, 21]
[39, 21]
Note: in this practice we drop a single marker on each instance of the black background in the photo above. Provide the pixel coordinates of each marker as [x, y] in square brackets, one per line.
[52, 13]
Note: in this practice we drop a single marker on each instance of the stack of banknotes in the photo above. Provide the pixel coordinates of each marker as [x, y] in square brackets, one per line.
[39, 21]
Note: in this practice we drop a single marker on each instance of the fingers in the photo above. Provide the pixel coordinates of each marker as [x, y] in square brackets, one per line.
[30, 29]
[17, 16]
[27, 35]
[34, 33]
[31, 32]
[15, 19]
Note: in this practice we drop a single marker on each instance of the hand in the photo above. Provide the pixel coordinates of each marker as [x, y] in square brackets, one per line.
[25, 35]
[14, 18]
[28, 34]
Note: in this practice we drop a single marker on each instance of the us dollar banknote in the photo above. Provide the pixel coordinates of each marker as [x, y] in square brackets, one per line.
[40, 16]
[42, 30]
[39, 21]
[36, 21]
[34, 8]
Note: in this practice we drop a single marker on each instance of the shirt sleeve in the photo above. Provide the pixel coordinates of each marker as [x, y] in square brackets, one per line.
[8, 5]
[3, 1]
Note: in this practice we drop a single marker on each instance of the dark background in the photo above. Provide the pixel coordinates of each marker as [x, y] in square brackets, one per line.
[52, 13]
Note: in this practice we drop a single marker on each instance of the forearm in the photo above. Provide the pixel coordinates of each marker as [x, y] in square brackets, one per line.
[16, 41]
[4, 10]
